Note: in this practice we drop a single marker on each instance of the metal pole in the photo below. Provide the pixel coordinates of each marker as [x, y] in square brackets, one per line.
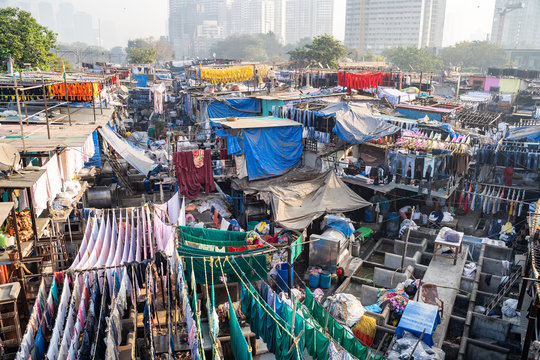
[67, 99]
[406, 241]
[289, 264]
[94, 106]
[24, 105]
[46, 112]
[19, 111]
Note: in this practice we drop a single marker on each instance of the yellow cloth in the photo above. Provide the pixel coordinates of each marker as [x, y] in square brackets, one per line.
[227, 75]
[507, 228]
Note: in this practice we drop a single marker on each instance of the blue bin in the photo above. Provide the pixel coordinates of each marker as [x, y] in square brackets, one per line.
[325, 280]
[392, 226]
[282, 280]
[314, 280]
[368, 216]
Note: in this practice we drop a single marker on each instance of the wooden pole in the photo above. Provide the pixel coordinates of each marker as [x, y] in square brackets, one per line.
[19, 111]
[24, 106]
[67, 99]
[406, 241]
[46, 112]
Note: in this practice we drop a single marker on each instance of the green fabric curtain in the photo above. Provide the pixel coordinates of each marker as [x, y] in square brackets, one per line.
[220, 243]
[254, 267]
[340, 334]
[212, 234]
[263, 322]
[239, 344]
[297, 250]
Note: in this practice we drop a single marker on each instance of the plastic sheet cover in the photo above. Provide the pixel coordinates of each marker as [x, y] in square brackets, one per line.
[134, 156]
[355, 124]
[223, 108]
[272, 151]
[531, 133]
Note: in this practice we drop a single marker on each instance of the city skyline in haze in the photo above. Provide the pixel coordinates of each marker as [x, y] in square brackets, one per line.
[122, 20]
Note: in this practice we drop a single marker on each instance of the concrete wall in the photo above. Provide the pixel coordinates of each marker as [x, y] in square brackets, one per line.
[499, 253]
[394, 261]
[485, 327]
[389, 279]
[475, 352]
[412, 247]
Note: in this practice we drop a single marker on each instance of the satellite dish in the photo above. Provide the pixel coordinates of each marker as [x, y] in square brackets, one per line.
[9, 158]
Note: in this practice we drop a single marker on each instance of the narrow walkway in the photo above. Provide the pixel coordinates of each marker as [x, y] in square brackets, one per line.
[443, 272]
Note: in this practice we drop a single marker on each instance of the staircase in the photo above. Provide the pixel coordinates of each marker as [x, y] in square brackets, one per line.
[496, 299]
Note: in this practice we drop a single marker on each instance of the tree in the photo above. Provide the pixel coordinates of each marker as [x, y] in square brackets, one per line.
[260, 47]
[146, 51]
[24, 39]
[323, 50]
[56, 64]
[413, 59]
[479, 54]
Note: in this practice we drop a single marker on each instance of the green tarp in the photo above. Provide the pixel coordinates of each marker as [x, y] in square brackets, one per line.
[252, 264]
[212, 234]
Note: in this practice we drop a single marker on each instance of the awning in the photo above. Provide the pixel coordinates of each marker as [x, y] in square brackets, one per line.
[132, 155]
[355, 124]
[296, 203]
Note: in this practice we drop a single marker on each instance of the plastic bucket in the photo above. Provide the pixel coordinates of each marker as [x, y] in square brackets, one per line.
[325, 280]
[392, 227]
[314, 280]
[282, 279]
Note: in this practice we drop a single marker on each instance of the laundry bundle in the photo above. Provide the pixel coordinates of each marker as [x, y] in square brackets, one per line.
[227, 75]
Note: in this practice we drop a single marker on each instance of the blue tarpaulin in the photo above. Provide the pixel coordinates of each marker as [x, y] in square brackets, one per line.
[272, 151]
[141, 80]
[531, 133]
[418, 317]
[95, 160]
[223, 108]
[355, 124]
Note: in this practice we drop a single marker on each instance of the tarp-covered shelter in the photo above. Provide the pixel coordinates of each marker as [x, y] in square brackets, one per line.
[394, 96]
[302, 197]
[134, 156]
[355, 123]
[271, 146]
[242, 107]
[531, 133]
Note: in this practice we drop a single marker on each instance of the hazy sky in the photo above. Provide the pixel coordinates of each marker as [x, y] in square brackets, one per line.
[465, 19]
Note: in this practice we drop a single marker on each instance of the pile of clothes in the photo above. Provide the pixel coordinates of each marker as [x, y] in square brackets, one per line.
[396, 298]
[24, 225]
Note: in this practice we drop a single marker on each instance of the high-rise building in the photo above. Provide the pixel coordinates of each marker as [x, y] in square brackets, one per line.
[375, 25]
[520, 27]
[280, 20]
[46, 15]
[185, 20]
[252, 17]
[66, 23]
[308, 18]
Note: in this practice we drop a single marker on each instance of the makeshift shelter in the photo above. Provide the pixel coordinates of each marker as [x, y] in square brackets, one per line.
[394, 96]
[297, 202]
[243, 107]
[356, 124]
[271, 146]
[134, 156]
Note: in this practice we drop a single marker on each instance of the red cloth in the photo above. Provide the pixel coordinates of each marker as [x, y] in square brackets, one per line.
[361, 81]
[508, 173]
[190, 178]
